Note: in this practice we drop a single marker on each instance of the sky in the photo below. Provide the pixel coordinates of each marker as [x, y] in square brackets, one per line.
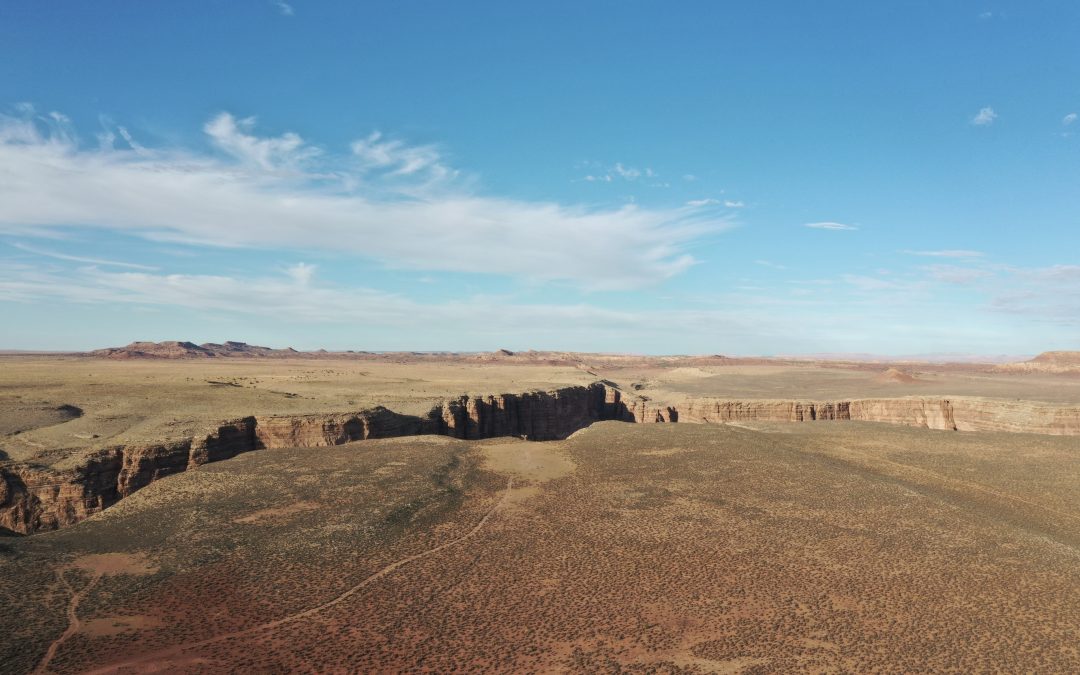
[895, 178]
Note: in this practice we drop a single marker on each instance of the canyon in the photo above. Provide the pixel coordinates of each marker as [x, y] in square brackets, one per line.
[37, 498]
[211, 508]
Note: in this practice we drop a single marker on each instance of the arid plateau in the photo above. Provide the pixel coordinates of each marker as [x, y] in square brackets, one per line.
[225, 508]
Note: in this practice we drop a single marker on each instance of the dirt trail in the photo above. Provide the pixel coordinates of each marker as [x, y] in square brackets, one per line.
[160, 660]
[74, 624]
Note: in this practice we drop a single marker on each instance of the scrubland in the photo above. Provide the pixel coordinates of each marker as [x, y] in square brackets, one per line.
[832, 547]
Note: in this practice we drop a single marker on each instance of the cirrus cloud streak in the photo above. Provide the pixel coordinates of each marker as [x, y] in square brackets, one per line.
[386, 201]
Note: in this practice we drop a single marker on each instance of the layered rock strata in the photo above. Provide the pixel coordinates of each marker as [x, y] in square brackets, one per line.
[953, 414]
[35, 498]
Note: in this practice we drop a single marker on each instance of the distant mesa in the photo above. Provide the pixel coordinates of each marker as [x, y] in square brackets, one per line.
[1058, 358]
[497, 355]
[156, 350]
[1047, 362]
[173, 349]
[896, 376]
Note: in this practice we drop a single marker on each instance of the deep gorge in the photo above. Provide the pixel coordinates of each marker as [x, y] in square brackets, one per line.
[35, 499]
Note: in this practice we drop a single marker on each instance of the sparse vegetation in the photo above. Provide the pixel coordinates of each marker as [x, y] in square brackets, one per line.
[634, 548]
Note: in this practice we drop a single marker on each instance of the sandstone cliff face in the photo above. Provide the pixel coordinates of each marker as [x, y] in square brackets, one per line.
[915, 412]
[538, 416]
[954, 414]
[39, 499]
[34, 499]
[314, 431]
[227, 440]
[974, 414]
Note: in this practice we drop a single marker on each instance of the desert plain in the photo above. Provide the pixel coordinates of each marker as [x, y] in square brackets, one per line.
[180, 509]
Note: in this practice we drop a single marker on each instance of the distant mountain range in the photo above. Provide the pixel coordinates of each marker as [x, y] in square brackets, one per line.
[173, 349]
[1047, 362]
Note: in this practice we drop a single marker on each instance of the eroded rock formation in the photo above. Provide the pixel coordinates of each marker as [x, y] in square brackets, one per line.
[35, 498]
[175, 349]
[538, 416]
[1047, 362]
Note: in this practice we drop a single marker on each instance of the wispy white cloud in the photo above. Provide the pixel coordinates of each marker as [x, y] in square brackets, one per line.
[233, 136]
[80, 259]
[770, 264]
[947, 253]
[751, 315]
[709, 201]
[620, 171]
[110, 130]
[284, 8]
[868, 283]
[1069, 119]
[830, 226]
[985, 117]
[954, 274]
[301, 273]
[1049, 294]
[398, 158]
[291, 300]
[1054, 273]
[132, 143]
[863, 309]
[281, 192]
[734, 204]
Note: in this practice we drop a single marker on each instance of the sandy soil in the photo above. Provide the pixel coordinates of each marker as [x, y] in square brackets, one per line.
[825, 382]
[836, 547]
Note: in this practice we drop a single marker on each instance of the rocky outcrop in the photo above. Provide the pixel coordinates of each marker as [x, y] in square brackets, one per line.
[538, 416]
[952, 414]
[314, 431]
[37, 498]
[173, 349]
[1047, 362]
[895, 376]
[34, 498]
[929, 413]
[227, 440]
[980, 414]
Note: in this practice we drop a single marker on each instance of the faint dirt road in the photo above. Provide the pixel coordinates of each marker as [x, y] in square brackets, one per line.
[154, 660]
[74, 624]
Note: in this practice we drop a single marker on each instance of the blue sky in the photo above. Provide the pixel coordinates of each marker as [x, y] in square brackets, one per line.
[763, 178]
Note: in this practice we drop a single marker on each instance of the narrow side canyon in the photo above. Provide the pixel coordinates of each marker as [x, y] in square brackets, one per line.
[36, 498]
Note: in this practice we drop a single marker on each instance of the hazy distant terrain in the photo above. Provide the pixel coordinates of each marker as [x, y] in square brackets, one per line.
[140, 398]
